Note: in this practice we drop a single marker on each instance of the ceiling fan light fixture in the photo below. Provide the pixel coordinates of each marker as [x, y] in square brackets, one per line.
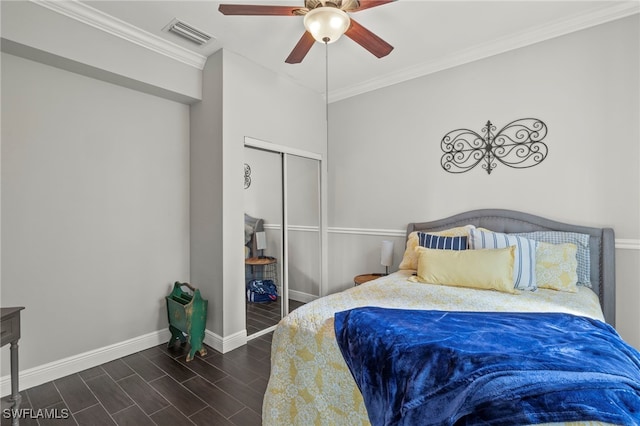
[326, 24]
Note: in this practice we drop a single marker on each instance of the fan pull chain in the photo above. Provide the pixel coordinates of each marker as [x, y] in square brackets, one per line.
[326, 93]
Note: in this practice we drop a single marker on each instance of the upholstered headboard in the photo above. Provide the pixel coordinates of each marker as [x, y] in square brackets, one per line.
[601, 244]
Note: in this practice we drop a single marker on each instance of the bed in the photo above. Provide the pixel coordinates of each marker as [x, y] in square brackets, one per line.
[312, 382]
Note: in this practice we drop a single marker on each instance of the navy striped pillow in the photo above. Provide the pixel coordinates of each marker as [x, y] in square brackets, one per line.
[439, 242]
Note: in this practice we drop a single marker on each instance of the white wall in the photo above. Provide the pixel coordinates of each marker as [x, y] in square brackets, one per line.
[280, 112]
[95, 209]
[385, 150]
[205, 210]
[32, 30]
[260, 104]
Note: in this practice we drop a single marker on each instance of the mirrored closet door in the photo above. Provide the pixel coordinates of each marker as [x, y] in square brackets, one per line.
[283, 237]
[263, 212]
[303, 229]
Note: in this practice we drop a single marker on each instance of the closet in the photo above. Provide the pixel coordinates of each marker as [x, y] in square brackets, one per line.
[283, 229]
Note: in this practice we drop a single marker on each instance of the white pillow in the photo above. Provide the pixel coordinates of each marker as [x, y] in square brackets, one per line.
[524, 268]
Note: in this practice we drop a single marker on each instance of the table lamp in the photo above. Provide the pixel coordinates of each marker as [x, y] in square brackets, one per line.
[261, 242]
[386, 255]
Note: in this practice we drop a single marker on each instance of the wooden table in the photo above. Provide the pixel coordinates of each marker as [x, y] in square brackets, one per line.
[268, 266]
[361, 279]
[260, 261]
[10, 325]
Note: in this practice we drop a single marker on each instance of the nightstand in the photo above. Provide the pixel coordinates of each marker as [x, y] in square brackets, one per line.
[361, 279]
[10, 321]
[266, 268]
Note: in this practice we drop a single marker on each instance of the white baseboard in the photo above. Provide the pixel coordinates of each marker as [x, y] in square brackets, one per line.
[57, 369]
[300, 296]
[224, 345]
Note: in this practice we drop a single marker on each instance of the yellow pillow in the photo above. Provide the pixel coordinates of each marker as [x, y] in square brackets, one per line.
[410, 258]
[489, 269]
[557, 266]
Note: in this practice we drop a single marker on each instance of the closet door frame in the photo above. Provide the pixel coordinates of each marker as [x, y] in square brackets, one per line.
[285, 151]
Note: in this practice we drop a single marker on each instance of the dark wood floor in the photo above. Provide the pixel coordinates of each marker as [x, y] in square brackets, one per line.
[158, 387]
[261, 316]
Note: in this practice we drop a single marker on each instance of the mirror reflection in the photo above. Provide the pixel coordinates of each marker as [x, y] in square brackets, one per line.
[263, 240]
[282, 235]
[303, 230]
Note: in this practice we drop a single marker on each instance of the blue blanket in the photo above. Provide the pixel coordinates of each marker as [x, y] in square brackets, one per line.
[470, 368]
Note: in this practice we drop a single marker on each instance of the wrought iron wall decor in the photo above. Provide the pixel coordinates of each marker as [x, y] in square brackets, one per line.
[518, 145]
[247, 176]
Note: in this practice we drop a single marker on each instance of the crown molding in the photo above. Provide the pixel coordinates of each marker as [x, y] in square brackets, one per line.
[81, 12]
[502, 45]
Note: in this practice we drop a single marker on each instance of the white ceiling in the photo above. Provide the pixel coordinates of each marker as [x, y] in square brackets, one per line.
[427, 35]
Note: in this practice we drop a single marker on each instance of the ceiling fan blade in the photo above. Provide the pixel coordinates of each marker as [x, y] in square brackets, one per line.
[302, 48]
[312, 4]
[249, 9]
[368, 40]
[368, 4]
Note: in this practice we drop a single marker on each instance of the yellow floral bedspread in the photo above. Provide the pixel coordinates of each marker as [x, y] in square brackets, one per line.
[310, 383]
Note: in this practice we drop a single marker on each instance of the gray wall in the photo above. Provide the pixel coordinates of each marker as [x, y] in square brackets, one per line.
[95, 216]
[280, 112]
[385, 150]
[205, 211]
[32, 30]
[260, 104]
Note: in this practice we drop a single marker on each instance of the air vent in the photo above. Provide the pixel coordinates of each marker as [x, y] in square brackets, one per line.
[187, 31]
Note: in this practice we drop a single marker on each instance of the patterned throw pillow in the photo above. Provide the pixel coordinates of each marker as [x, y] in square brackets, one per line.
[556, 266]
[580, 240]
[441, 242]
[524, 268]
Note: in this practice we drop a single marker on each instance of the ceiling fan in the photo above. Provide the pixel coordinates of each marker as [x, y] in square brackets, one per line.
[325, 21]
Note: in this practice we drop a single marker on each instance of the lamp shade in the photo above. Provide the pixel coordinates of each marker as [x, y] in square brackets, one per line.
[326, 24]
[386, 253]
[261, 240]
